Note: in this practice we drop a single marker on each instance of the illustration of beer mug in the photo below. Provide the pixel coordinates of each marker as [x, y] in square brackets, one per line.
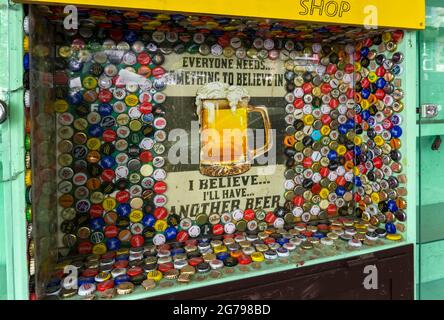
[224, 145]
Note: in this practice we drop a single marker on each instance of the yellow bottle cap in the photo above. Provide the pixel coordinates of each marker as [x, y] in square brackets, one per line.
[379, 140]
[257, 256]
[26, 44]
[365, 104]
[375, 197]
[325, 130]
[28, 177]
[220, 249]
[60, 106]
[154, 275]
[65, 51]
[324, 193]
[341, 150]
[136, 216]
[80, 124]
[308, 119]
[109, 204]
[89, 82]
[99, 248]
[135, 125]
[372, 77]
[160, 225]
[93, 144]
[131, 100]
[393, 237]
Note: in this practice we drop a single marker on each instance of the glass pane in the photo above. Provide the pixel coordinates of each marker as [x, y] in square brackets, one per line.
[94, 115]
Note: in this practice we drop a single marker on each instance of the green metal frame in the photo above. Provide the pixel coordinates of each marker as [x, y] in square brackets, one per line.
[12, 186]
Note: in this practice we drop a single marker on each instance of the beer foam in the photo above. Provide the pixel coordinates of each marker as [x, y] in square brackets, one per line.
[219, 90]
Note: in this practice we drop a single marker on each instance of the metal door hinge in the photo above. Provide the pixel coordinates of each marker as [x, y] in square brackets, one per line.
[3, 112]
[429, 110]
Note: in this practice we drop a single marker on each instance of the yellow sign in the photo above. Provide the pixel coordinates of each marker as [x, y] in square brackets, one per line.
[408, 14]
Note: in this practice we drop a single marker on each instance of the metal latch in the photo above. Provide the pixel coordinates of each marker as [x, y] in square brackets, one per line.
[3, 111]
[430, 110]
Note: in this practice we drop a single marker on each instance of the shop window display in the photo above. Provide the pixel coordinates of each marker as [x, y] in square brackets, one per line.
[135, 184]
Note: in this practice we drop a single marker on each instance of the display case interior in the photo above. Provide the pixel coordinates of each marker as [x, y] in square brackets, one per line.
[136, 189]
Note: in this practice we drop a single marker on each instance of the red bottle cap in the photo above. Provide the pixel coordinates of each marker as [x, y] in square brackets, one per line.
[90, 272]
[218, 229]
[122, 196]
[137, 241]
[164, 267]
[111, 231]
[249, 214]
[121, 264]
[195, 261]
[182, 236]
[244, 259]
[96, 210]
[134, 271]
[85, 247]
[160, 213]
[146, 156]
[160, 187]
[105, 285]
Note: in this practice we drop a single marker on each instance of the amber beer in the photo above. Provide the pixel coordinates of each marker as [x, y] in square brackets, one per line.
[224, 137]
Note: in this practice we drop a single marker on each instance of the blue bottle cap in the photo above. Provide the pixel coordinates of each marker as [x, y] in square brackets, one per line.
[75, 98]
[318, 235]
[365, 51]
[83, 280]
[357, 181]
[148, 118]
[130, 36]
[391, 204]
[332, 155]
[107, 162]
[26, 61]
[170, 233]
[396, 131]
[371, 121]
[105, 109]
[390, 228]
[120, 279]
[148, 220]
[123, 209]
[75, 65]
[113, 244]
[365, 115]
[282, 241]
[340, 191]
[222, 255]
[365, 93]
[97, 223]
[177, 251]
[122, 257]
[350, 124]
[343, 129]
[95, 130]
[380, 83]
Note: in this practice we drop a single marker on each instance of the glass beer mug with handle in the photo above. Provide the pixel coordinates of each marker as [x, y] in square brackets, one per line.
[224, 147]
